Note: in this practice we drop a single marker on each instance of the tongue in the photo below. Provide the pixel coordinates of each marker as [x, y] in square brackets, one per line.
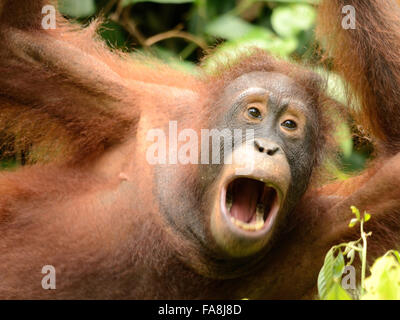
[245, 196]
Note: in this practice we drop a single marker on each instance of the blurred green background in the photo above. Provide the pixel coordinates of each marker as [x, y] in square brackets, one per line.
[181, 32]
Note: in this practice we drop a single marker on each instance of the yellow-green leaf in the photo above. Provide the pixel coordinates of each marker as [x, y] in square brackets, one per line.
[353, 222]
[356, 212]
[337, 293]
[384, 282]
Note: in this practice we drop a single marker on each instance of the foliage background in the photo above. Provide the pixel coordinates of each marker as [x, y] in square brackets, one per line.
[182, 32]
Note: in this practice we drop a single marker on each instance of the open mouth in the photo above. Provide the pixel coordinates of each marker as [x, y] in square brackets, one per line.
[250, 204]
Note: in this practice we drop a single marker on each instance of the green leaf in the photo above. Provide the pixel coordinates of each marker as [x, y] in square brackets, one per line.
[330, 273]
[337, 293]
[367, 216]
[285, 19]
[384, 282]
[77, 8]
[129, 2]
[353, 222]
[229, 27]
[325, 276]
[338, 265]
[356, 212]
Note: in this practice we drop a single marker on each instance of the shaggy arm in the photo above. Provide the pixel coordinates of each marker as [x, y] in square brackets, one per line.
[58, 89]
[368, 57]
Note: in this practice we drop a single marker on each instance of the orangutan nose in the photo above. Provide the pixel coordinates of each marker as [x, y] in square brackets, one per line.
[267, 147]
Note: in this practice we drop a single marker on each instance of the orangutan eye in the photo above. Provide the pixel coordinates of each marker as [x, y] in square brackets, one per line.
[254, 113]
[289, 124]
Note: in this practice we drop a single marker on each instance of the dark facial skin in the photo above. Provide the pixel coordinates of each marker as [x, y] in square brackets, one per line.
[283, 99]
[277, 109]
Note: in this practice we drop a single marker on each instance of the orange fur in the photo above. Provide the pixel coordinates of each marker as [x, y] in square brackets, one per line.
[87, 205]
[368, 57]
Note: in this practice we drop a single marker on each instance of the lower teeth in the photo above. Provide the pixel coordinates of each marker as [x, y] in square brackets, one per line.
[260, 214]
[250, 226]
